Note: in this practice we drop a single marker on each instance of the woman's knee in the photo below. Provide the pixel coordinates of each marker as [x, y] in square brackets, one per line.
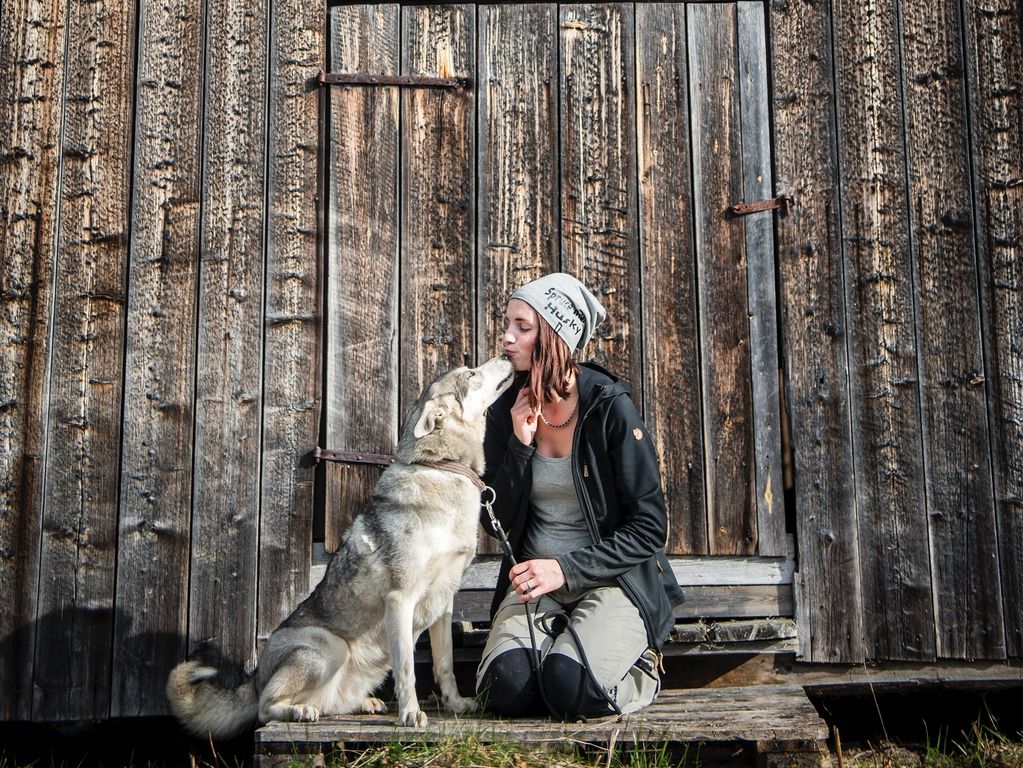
[508, 686]
[569, 691]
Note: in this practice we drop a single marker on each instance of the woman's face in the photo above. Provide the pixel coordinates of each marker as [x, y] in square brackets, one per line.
[520, 332]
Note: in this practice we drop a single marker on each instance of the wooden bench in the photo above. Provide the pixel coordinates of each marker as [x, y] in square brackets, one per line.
[779, 722]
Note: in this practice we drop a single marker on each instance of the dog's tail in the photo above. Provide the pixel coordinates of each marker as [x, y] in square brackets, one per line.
[205, 707]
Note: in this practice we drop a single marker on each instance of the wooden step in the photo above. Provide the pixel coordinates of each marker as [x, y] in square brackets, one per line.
[780, 721]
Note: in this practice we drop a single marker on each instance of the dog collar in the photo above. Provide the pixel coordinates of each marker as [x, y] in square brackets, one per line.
[454, 466]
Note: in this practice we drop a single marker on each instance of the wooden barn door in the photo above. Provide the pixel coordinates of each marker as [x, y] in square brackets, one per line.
[605, 140]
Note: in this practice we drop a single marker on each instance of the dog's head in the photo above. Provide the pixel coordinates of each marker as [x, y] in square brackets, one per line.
[449, 419]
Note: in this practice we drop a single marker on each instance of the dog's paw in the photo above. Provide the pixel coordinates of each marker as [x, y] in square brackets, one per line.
[460, 705]
[413, 718]
[373, 706]
[301, 713]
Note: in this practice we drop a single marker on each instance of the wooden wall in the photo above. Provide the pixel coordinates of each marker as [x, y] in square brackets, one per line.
[161, 287]
[160, 333]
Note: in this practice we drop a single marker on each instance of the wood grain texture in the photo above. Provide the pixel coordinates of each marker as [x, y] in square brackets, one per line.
[32, 44]
[362, 258]
[994, 65]
[599, 216]
[229, 381]
[292, 322]
[517, 158]
[813, 331]
[957, 451]
[156, 466]
[729, 461]
[760, 281]
[517, 231]
[438, 270]
[79, 544]
[894, 562]
[668, 257]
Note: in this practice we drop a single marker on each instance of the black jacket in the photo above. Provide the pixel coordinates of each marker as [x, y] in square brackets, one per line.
[619, 488]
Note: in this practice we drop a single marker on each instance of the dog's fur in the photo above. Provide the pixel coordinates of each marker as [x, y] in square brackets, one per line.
[395, 574]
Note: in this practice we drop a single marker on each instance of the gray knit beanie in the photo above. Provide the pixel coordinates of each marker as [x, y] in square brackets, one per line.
[571, 310]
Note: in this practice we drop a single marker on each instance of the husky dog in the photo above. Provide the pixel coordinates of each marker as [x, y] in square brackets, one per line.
[395, 574]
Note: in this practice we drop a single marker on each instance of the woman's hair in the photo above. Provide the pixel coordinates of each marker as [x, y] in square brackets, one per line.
[551, 368]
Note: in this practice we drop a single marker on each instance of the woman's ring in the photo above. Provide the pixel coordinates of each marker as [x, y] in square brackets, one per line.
[529, 587]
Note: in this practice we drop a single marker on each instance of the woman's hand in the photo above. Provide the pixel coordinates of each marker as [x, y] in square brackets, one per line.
[523, 418]
[536, 577]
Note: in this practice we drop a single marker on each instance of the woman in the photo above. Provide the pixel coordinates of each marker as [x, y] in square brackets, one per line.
[578, 491]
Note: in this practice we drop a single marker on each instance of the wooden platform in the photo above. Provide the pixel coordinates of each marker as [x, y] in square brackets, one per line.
[779, 721]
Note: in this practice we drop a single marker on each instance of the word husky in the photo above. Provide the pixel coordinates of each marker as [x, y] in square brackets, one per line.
[395, 574]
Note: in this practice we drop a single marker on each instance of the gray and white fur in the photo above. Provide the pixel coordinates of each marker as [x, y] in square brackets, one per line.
[395, 574]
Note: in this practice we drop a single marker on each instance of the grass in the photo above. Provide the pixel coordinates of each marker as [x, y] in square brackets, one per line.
[473, 753]
[981, 747]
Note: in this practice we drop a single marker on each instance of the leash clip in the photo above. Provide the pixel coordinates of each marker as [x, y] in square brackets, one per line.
[496, 524]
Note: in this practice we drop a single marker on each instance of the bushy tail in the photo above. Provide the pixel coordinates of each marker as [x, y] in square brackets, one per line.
[204, 707]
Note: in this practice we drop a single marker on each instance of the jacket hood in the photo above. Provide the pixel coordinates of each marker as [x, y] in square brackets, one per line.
[597, 384]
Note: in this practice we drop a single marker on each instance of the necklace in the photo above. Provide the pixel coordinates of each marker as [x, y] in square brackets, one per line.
[565, 422]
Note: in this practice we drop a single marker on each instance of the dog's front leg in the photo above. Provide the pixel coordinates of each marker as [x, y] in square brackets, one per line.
[398, 613]
[443, 664]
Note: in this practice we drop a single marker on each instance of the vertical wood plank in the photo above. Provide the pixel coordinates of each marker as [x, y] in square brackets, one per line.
[960, 492]
[362, 258]
[599, 217]
[32, 38]
[79, 544]
[228, 388]
[518, 157]
[291, 332]
[438, 284]
[894, 561]
[729, 463]
[994, 63]
[517, 230]
[156, 469]
[761, 288]
[813, 327]
[667, 254]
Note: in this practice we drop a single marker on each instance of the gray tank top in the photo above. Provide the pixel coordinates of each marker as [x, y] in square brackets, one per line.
[556, 522]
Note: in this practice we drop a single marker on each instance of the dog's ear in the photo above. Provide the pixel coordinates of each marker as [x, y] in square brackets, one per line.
[433, 413]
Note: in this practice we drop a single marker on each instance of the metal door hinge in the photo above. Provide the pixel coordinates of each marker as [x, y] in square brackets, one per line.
[352, 457]
[782, 202]
[402, 81]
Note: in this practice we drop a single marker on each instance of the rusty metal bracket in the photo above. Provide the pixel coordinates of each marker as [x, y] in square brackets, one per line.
[402, 81]
[783, 202]
[352, 457]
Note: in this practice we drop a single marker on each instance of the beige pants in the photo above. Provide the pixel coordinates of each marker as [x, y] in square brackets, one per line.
[608, 625]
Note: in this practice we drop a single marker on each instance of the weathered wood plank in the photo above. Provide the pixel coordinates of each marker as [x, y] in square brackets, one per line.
[667, 254]
[689, 571]
[813, 326]
[760, 283]
[517, 237]
[362, 257]
[229, 385]
[79, 545]
[710, 714]
[438, 283]
[702, 602]
[892, 517]
[994, 63]
[156, 449]
[729, 461]
[291, 352]
[517, 164]
[957, 453]
[599, 216]
[32, 45]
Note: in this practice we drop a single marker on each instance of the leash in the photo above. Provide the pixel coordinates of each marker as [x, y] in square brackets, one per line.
[545, 622]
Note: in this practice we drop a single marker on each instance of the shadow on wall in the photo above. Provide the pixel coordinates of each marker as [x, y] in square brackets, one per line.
[62, 668]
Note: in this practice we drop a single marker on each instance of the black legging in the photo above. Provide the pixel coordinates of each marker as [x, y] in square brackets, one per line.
[511, 687]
